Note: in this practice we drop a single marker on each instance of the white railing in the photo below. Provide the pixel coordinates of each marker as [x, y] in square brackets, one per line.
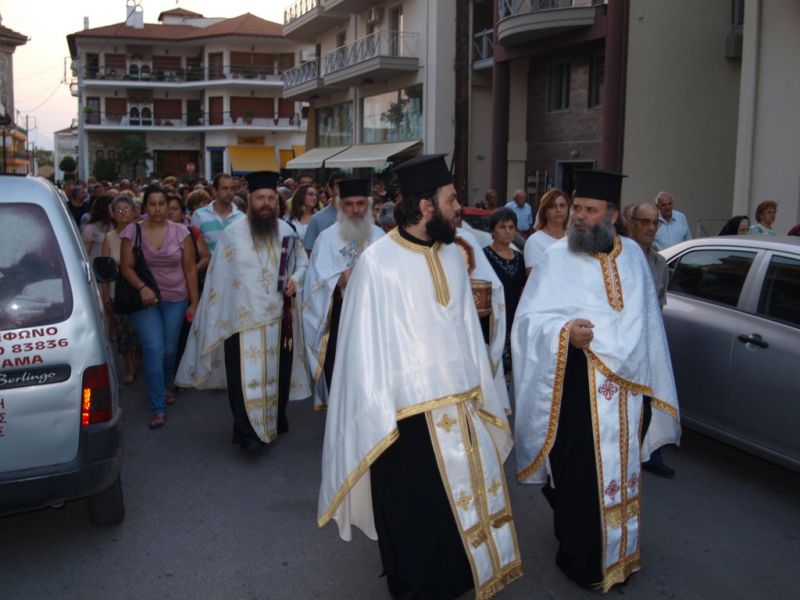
[297, 9]
[508, 8]
[197, 119]
[380, 43]
[302, 73]
[483, 45]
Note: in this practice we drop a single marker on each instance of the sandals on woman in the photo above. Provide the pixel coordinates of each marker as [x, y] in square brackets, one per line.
[129, 378]
[157, 421]
[169, 397]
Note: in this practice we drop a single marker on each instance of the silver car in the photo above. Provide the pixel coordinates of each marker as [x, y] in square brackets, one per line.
[60, 420]
[733, 323]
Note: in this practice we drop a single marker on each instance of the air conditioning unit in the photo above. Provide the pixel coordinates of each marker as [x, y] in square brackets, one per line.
[375, 15]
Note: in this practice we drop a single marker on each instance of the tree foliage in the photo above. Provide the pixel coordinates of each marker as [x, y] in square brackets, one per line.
[132, 151]
[68, 165]
[43, 157]
[106, 169]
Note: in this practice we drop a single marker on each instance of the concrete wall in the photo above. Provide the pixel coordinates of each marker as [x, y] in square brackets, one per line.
[480, 138]
[681, 108]
[768, 150]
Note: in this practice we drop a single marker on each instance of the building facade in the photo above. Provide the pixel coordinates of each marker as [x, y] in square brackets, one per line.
[379, 79]
[15, 156]
[193, 89]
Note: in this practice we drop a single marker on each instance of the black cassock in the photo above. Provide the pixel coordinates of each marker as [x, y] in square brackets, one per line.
[243, 432]
[574, 499]
[420, 545]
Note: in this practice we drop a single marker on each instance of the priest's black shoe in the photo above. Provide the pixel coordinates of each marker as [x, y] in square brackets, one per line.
[659, 469]
[251, 445]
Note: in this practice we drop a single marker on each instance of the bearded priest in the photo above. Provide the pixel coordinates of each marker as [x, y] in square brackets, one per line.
[241, 337]
[335, 254]
[588, 344]
[415, 436]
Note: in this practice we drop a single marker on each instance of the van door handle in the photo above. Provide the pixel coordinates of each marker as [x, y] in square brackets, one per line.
[754, 339]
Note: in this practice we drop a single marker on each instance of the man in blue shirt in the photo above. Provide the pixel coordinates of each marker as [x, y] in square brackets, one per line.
[213, 218]
[523, 211]
[673, 226]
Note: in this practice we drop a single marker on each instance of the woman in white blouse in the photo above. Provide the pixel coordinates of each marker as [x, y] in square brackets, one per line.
[551, 226]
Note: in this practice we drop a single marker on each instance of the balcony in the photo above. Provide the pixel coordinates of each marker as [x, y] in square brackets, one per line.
[192, 78]
[145, 120]
[380, 55]
[304, 20]
[483, 49]
[523, 21]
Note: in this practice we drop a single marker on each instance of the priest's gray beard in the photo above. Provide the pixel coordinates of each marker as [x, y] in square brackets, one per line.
[355, 229]
[599, 238]
[263, 224]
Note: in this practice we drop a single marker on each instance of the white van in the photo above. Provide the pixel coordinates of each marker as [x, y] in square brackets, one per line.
[60, 420]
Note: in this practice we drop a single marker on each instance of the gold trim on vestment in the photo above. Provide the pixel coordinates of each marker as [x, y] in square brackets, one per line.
[611, 280]
[596, 362]
[619, 572]
[372, 455]
[431, 254]
[555, 407]
[598, 460]
[356, 474]
[496, 421]
[409, 411]
[624, 443]
[663, 407]
[481, 531]
[324, 345]
[614, 514]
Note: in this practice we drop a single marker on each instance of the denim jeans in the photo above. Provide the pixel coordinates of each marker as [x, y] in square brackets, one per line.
[158, 328]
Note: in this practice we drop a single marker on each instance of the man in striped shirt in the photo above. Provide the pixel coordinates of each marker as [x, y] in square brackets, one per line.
[213, 218]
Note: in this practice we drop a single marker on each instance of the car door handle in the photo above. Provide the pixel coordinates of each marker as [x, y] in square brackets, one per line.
[754, 339]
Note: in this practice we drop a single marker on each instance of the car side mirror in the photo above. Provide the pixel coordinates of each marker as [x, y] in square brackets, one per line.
[105, 269]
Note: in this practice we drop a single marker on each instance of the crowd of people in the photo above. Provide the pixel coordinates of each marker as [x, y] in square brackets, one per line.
[417, 335]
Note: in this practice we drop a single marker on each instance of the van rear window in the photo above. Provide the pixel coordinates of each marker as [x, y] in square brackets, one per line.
[34, 287]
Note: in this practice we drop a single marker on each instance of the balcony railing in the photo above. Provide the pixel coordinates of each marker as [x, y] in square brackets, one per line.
[197, 119]
[483, 45]
[302, 73]
[508, 8]
[273, 74]
[297, 9]
[380, 43]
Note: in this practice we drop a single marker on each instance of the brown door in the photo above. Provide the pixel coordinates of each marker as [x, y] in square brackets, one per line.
[215, 66]
[215, 111]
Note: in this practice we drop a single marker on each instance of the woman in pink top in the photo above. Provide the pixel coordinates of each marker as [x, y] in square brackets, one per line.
[169, 253]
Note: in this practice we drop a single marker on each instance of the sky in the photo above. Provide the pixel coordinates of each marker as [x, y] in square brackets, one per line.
[41, 92]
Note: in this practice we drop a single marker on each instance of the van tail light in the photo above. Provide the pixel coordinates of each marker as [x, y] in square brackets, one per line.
[96, 396]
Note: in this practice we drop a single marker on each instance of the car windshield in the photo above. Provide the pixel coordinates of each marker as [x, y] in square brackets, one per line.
[34, 288]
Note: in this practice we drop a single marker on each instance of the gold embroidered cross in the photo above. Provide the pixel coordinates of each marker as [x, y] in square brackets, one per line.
[494, 488]
[253, 384]
[212, 297]
[243, 315]
[230, 253]
[253, 354]
[216, 363]
[446, 423]
[236, 284]
[464, 500]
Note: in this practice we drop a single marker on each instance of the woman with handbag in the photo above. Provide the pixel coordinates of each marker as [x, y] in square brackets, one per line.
[158, 262]
[124, 213]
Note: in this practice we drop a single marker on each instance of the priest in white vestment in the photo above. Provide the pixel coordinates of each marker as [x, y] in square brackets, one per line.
[335, 253]
[241, 337]
[497, 319]
[415, 435]
[588, 343]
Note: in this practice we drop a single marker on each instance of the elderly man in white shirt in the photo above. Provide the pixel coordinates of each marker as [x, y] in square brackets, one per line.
[673, 226]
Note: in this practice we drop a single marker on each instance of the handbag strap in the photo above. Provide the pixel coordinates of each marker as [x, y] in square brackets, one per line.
[138, 244]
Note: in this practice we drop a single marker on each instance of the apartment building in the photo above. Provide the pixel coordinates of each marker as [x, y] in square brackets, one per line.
[194, 88]
[14, 150]
[379, 80]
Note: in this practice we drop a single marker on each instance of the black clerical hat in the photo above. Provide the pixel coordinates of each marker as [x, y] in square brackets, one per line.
[422, 174]
[600, 185]
[354, 187]
[262, 179]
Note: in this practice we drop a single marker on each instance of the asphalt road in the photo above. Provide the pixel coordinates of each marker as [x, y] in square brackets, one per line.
[205, 521]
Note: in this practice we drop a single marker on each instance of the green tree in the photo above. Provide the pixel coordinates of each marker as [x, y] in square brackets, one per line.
[43, 157]
[132, 151]
[68, 165]
[106, 169]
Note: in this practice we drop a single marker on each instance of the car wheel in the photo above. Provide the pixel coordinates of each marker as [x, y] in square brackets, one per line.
[107, 507]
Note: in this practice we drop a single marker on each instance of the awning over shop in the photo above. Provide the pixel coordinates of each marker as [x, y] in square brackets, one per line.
[246, 159]
[374, 156]
[315, 158]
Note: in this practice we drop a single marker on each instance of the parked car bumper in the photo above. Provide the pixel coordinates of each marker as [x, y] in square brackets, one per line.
[95, 467]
